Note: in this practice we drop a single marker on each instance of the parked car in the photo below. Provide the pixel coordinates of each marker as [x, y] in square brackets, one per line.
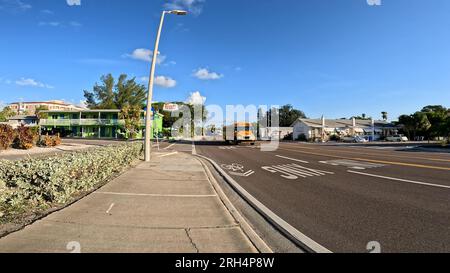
[355, 139]
[397, 138]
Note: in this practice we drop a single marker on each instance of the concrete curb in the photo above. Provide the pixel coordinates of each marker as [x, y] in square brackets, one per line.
[257, 241]
[292, 233]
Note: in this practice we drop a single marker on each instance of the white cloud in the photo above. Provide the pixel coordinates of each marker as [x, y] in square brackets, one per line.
[146, 55]
[165, 82]
[51, 24]
[73, 2]
[32, 83]
[205, 74]
[75, 24]
[193, 6]
[14, 5]
[196, 99]
[47, 11]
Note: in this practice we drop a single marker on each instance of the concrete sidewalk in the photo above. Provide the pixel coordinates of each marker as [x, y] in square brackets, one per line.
[166, 206]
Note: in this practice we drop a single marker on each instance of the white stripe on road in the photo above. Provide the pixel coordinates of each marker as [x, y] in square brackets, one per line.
[168, 147]
[155, 195]
[110, 208]
[174, 153]
[401, 180]
[293, 159]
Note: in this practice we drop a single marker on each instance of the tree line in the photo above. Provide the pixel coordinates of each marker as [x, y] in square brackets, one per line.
[431, 122]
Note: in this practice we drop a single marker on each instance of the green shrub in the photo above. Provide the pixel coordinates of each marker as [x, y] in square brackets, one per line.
[25, 137]
[49, 141]
[7, 136]
[40, 183]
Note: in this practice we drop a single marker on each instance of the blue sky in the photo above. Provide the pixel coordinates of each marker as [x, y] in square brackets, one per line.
[331, 57]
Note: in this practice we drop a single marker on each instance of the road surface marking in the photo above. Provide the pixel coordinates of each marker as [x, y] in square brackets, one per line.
[235, 167]
[164, 155]
[401, 180]
[227, 148]
[358, 165]
[110, 208]
[156, 195]
[170, 146]
[293, 159]
[246, 174]
[294, 171]
[339, 150]
[375, 161]
[285, 227]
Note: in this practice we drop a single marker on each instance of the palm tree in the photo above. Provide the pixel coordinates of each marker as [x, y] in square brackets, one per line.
[384, 115]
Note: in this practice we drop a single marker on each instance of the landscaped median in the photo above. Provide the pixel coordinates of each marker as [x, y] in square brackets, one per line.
[30, 187]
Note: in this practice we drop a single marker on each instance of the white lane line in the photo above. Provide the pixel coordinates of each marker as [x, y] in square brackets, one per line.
[293, 159]
[401, 180]
[158, 195]
[174, 153]
[110, 208]
[168, 147]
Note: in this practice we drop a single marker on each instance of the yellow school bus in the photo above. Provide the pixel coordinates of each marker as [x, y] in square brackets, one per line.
[239, 132]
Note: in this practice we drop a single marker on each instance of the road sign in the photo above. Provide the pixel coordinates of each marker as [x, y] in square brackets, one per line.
[170, 107]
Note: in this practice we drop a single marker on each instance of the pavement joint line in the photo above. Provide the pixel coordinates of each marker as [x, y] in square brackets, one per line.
[159, 195]
[144, 227]
[293, 159]
[295, 235]
[242, 223]
[374, 160]
[400, 180]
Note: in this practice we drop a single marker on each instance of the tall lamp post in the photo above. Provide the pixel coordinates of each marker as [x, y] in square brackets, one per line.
[148, 118]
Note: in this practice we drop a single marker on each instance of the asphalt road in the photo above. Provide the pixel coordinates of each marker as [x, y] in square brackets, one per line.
[344, 197]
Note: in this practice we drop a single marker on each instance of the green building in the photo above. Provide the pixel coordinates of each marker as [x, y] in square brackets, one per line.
[93, 124]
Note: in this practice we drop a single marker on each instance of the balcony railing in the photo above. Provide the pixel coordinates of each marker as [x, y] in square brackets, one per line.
[86, 122]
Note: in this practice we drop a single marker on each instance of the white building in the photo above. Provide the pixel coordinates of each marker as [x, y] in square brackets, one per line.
[274, 133]
[322, 129]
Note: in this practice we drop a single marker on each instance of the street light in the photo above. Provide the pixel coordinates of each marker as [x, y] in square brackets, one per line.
[148, 120]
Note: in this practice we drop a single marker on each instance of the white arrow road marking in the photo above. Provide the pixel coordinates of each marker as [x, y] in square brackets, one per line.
[401, 180]
[293, 159]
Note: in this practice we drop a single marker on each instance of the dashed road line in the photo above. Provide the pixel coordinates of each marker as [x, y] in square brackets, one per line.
[401, 180]
[293, 159]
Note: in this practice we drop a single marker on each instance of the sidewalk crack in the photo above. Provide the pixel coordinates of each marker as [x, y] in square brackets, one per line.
[190, 239]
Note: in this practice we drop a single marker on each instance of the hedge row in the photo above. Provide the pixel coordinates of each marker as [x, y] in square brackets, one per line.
[42, 183]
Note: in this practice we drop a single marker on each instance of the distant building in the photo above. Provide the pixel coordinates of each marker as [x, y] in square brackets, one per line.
[275, 133]
[29, 108]
[93, 124]
[322, 129]
[18, 120]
